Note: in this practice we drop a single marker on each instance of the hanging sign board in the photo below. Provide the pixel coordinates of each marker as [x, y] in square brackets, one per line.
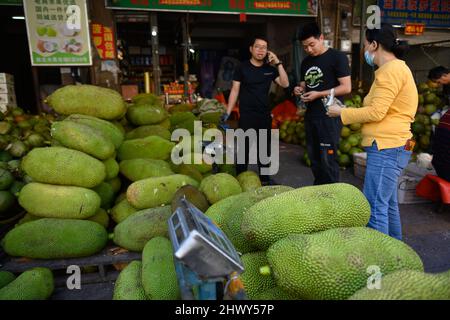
[264, 7]
[58, 32]
[431, 13]
[103, 38]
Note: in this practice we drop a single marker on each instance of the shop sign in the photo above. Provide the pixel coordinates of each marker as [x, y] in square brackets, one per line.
[264, 7]
[11, 2]
[414, 29]
[103, 38]
[58, 32]
[432, 13]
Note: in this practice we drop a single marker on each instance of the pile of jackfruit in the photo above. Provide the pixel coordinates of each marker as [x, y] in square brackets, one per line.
[108, 180]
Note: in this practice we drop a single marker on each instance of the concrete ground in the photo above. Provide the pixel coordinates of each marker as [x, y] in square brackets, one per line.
[424, 229]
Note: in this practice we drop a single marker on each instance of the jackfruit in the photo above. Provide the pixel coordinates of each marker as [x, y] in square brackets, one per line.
[159, 278]
[146, 131]
[34, 284]
[108, 129]
[139, 169]
[180, 117]
[305, 210]
[334, 264]
[152, 147]
[249, 180]
[112, 168]
[190, 171]
[106, 193]
[408, 285]
[6, 278]
[275, 293]
[241, 203]
[147, 98]
[228, 168]
[28, 218]
[83, 138]
[62, 166]
[55, 239]
[122, 211]
[88, 100]
[254, 282]
[165, 124]
[101, 217]
[220, 186]
[144, 114]
[63, 202]
[193, 195]
[129, 283]
[115, 183]
[135, 231]
[154, 192]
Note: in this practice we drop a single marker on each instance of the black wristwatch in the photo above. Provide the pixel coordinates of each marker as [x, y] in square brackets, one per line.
[279, 63]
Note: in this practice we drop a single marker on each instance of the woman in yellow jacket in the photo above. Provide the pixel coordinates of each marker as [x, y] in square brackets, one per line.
[386, 115]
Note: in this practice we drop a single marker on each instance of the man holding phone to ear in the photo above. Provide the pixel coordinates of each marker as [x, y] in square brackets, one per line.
[251, 83]
[322, 71]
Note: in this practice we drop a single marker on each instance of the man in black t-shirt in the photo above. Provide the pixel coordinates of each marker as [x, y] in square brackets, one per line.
[323, 70]
[251, 83]
[441, 75]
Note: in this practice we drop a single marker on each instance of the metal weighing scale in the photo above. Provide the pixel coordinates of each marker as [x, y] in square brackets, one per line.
[206, 262]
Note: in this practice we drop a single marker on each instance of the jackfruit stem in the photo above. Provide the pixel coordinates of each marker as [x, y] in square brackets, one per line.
[111, 236]
[265, 271]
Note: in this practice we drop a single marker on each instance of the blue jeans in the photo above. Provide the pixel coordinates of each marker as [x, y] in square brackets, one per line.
[384, 167]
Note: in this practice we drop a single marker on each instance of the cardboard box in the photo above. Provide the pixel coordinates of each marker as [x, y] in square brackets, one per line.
[6, 88]
[6, 78]
[360, 164]
[407, 190]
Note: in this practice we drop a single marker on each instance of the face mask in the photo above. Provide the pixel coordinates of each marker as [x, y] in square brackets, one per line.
[369, 58]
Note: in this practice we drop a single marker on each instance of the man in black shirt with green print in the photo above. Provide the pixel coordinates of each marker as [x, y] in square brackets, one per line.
[323, 70]
[251, 83]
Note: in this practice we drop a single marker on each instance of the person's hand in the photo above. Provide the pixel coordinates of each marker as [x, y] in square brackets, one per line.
[311, 96]
[224, 117]
[299, 90]
[334, 111]
[273, 59]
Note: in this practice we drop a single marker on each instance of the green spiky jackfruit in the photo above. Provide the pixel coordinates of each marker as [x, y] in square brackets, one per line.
[249, 180]
[122, 211]
[115, 183]
[62, 166]
[6, 278]
[220, 186]
[34, 284]
[89, 100]
[305, 210]
[50, 201]
[108, 129]
[101, 217]
[408, 285]
[241, 203]
[112, 168]
[144, 114]
[55, 239]
[106, 193]
[139, 169]
[254, 282]
[155, 192]
[146, 131]
[159, 278]
[336, 263]
[135, 231]
[129, 283]
[152, 147]
[83, 138]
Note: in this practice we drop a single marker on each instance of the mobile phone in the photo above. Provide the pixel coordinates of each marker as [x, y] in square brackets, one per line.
[266, 59]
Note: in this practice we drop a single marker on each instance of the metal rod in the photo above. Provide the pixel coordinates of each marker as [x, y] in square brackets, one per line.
[361, 40]
[184, 23]
[155, 53]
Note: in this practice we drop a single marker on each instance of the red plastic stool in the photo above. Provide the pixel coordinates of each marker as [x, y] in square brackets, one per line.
[434, 188]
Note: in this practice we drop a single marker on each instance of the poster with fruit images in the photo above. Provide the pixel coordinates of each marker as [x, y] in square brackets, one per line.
[58, 32]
